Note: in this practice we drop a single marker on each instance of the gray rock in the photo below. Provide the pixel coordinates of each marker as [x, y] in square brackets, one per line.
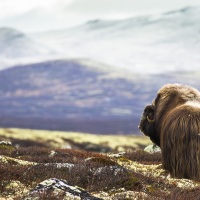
[152, 149]
[6, 145]
[59, 165]
[117, 155]
[115, 170]
[59, 187]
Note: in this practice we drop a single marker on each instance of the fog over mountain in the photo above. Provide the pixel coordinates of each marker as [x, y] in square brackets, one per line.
[148, 44]
[17, 47]
[145, 44]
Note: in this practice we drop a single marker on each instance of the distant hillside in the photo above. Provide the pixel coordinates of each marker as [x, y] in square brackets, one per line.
[67, 95]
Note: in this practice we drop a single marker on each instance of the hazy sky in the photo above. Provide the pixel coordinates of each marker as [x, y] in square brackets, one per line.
[39, 15]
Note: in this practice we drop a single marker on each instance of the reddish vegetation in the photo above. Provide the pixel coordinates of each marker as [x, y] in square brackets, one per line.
[85, 172]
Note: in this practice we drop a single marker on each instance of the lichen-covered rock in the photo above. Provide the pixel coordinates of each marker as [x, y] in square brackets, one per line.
[52, 154]
[59, 165]
[152, 149]
[115, 170]
[117, 155]
[15, 161]
[6, 145]
[14, 187]
[60, 188]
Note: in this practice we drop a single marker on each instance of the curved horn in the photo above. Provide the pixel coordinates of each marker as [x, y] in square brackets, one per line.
[149, 120]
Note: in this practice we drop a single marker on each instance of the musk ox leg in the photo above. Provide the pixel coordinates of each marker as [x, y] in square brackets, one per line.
[180, 142]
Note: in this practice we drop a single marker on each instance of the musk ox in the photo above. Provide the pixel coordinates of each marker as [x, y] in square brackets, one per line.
[172, 122]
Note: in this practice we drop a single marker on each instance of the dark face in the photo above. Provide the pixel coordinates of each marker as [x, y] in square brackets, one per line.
[147, 124]
[168, 97]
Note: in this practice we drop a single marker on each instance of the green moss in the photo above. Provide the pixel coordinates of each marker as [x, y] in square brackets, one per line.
[6, 148]
[123, 159]
[150, 189]
[132, 182]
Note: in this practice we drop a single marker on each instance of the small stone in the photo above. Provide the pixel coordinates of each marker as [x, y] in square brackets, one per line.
[152, 149]
[52, 154]
[6, 145]
[117, 155]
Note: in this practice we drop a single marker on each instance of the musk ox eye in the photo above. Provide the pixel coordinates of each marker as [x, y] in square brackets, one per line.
[149, 113]
[150, 117]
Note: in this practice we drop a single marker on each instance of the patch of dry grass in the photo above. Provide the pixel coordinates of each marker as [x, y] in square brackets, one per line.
[41, 138]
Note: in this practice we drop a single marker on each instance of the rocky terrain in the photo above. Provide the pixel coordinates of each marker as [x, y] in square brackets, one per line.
[60, 165]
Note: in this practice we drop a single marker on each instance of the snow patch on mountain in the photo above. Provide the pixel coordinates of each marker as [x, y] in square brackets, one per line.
[148, 44]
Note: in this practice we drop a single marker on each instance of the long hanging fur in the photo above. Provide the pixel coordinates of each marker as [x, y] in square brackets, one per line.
[176, 129]
[180, 142]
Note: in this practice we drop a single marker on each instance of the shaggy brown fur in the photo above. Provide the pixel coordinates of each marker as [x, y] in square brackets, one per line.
[172, 122]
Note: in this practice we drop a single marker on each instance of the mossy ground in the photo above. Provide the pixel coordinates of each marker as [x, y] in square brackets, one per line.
[40, 155]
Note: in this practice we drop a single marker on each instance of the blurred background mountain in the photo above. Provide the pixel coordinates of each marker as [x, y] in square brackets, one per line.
[92, 75]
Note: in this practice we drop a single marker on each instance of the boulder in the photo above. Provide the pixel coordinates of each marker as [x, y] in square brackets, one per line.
[59, 188]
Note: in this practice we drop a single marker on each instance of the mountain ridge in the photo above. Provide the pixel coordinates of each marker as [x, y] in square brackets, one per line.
[66, 95]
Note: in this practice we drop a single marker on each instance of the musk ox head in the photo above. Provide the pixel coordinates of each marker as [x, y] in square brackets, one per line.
[172, 122]
[168, 97]
[147, 124]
